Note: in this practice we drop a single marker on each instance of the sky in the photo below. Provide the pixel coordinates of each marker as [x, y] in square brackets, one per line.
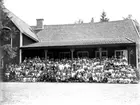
[70, 11]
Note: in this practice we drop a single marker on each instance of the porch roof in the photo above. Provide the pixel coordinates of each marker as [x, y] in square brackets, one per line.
[96, 41]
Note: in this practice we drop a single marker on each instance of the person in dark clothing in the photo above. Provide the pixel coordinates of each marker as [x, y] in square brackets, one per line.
[12, 75]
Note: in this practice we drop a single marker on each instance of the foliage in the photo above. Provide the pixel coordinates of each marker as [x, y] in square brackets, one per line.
[128, 17]
[9, 52]
[7, 31]
[103, 17]
[5, 34]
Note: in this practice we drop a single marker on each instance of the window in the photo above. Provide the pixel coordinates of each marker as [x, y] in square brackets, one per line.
[121, 54]
[82, 54]
[64, 55]
[103, 54]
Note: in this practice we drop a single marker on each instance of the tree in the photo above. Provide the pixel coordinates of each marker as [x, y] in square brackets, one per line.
[103, 17]
[7, 32]
[128, 17]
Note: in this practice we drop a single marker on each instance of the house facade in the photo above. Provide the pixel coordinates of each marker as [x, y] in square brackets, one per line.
[94, 40]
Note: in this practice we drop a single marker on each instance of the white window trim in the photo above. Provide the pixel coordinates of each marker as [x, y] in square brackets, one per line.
[82, 52]
[106, 53]
[101, 53]
[119, 51]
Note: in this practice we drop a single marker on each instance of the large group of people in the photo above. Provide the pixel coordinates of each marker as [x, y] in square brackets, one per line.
[106, 70]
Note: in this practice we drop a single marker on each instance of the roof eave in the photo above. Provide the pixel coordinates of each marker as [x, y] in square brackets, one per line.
[37, 40]
[24, 47]
[135, 28]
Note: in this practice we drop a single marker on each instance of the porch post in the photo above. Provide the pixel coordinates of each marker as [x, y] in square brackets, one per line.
[20, 50]
[72, 50]
[137, 57]
[128, 53]
[100, 52]
[20, 56]
[46, 51]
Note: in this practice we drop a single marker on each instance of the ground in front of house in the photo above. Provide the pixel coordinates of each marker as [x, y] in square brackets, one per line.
[69, 94]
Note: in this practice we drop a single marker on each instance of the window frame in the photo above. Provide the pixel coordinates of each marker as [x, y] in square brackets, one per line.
[122, 53]
[96, 54]
[78, 52]
[106, 53]
[101, 53]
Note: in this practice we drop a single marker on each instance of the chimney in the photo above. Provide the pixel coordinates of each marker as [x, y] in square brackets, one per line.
[39, 23]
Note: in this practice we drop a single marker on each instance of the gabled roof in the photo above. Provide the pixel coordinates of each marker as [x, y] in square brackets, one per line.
[122, 31]
[112, 29]
[21, 25]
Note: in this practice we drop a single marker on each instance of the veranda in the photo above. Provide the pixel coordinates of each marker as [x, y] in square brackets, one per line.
[128, 51]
